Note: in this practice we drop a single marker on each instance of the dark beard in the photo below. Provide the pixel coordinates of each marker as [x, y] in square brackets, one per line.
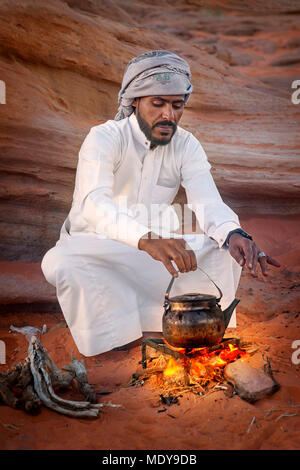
[147, 130]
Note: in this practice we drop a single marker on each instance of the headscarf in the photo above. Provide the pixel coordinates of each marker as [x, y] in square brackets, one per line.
[153, 73]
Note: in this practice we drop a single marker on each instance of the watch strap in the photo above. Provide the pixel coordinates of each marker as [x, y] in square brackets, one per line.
[241, 232]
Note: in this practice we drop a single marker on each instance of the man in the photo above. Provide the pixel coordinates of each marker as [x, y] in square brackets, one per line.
[115, 255]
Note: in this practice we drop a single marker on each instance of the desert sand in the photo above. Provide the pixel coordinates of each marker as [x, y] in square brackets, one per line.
[215, 421]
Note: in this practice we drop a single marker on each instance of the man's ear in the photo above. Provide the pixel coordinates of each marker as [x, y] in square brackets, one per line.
[134, 103]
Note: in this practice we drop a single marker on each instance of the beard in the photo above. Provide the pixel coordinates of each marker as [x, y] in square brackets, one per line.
[147, 130]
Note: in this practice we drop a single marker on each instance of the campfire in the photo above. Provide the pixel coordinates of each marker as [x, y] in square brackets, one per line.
[201, 366]
[201, 371]
[196, 369]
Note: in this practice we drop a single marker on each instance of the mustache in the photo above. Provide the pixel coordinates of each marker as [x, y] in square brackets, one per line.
[165, 123]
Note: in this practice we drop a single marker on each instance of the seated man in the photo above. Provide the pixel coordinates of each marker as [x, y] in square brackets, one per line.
[118, 247]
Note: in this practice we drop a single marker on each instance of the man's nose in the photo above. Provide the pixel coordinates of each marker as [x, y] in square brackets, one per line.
[168, 113]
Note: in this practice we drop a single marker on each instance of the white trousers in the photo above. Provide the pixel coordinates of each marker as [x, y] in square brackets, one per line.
[111, 293]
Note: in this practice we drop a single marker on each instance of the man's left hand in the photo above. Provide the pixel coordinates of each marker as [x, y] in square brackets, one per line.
[246, 252]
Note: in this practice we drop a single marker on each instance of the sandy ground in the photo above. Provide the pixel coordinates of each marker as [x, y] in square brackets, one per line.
[268, 316]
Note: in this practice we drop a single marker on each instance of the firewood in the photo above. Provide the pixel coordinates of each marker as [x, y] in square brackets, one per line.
[12, 376]
[8, 385]
[78, 369]
[159, 346]
[43, 388]
[31, 385]
[32, 403]
[25, 377]
[7, 396]
[59, 379]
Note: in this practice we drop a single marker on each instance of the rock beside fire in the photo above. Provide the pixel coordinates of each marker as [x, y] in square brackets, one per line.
[249, 382]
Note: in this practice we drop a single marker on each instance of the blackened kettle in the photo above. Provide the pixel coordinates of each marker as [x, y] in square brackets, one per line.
[194, 320]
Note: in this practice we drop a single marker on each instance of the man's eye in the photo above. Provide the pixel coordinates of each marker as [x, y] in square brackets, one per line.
[157, 104]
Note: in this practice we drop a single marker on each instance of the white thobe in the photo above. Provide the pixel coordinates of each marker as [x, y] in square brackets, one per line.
[109, 291]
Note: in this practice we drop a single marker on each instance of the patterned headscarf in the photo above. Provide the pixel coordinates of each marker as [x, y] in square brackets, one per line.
[153, 73]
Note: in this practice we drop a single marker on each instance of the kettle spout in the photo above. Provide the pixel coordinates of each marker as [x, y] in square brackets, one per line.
[229, 311]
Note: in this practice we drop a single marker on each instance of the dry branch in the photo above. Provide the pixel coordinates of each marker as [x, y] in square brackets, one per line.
[77, 369]
[31, 384]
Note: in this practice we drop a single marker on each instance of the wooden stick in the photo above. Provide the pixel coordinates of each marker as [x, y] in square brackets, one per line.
[58, 378]
[39, 373]
[78, 370]
[30, 385]
[251, 424]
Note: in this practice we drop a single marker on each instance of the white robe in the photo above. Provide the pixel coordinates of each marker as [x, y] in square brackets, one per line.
[108, 290]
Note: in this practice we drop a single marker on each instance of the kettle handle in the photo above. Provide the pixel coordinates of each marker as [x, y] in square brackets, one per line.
[173, 279]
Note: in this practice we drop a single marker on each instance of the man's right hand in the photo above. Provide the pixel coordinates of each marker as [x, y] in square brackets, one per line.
[167, 250]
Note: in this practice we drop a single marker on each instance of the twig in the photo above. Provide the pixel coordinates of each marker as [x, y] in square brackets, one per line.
[269, 412]
[13, 427]
[251, 424]
[102, 405]
[285, 414]
[220, 387]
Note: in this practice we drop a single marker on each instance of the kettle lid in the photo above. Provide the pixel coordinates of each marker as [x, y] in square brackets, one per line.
[194, 297]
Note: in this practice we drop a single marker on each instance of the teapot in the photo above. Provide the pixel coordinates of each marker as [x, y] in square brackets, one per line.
[195, 320]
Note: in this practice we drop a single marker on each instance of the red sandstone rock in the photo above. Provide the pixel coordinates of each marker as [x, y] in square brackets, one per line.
[250, 383]
[63, 61]
[58, 87]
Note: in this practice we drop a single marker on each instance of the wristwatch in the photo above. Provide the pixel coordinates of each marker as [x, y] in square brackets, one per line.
[237, 230]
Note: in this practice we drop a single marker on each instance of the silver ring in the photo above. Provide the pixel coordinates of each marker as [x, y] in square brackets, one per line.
[261, 255]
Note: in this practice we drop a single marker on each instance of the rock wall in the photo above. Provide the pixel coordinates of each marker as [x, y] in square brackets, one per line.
[62, 62]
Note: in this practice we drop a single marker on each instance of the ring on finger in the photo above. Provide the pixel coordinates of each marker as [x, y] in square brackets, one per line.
[261, 254]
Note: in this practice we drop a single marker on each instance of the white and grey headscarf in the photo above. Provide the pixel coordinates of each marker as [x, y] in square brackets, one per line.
[153, 73]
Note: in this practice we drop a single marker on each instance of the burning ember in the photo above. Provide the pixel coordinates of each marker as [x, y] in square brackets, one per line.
[201, 363]
[197, 370]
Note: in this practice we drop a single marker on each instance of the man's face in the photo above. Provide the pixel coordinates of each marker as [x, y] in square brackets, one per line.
[158, 116]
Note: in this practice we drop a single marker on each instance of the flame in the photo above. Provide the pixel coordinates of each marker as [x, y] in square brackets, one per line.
[217, 361]
[202, 363]
[197, 368]
[172, 368]
[232, 354]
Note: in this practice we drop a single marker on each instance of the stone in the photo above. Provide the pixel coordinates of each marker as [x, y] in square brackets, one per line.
[250, 383]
